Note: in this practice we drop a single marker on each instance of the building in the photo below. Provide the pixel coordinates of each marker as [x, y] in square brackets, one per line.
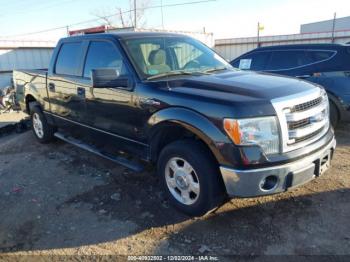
[23, 55]
[340, 24]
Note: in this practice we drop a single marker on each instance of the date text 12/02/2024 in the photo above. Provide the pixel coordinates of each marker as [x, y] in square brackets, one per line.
[173, 258]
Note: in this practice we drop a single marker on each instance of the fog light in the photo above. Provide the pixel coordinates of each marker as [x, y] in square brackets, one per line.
[269, 183]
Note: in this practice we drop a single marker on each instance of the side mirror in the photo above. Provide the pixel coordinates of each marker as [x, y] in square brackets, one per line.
[108, 77]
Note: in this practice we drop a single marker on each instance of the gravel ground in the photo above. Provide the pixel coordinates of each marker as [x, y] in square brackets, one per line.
[56, 199]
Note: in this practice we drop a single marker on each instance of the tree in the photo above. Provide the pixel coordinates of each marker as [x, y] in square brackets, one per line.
[124, 18]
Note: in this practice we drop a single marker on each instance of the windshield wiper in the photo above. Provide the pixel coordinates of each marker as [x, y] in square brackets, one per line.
[212, 70]
[171, 73]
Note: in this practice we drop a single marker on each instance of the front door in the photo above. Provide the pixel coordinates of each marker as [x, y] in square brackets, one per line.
[111, 112]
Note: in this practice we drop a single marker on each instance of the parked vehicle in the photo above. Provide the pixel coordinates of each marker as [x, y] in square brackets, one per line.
[169, 101]
[324, 64]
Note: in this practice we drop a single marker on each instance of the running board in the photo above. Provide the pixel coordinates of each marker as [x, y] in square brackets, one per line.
[117, 159]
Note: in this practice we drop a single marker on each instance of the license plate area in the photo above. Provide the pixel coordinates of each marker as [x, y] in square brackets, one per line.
[323, 164]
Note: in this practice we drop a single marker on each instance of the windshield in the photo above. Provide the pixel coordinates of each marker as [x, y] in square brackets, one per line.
[164, 56]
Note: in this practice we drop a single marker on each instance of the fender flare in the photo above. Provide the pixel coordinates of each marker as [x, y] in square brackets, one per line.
[192, 121]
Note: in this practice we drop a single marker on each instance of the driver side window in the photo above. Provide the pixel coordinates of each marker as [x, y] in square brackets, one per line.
[103, 55]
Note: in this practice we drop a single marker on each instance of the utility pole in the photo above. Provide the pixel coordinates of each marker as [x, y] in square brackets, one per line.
[135, 15]
[333, 27]
[161, 8]
[67, 28]
[121, 17]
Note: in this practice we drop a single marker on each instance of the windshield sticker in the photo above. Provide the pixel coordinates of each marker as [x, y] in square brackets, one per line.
[245, 64]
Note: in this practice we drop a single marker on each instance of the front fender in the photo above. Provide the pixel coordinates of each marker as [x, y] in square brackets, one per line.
[193, 122]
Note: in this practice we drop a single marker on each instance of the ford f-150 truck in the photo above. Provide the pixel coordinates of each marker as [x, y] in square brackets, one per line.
[169, 101]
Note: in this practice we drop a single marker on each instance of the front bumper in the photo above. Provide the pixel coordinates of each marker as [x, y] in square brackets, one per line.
[272, 180]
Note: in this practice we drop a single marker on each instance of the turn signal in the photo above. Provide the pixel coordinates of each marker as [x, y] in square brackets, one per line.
[232, 129]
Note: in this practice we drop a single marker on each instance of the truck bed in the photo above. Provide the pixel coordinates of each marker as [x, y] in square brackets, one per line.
[27, 80]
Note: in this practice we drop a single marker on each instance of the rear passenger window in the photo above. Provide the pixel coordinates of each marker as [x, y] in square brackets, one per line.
[282, 60]
[68, 59]
[103, 55]
[318, 56]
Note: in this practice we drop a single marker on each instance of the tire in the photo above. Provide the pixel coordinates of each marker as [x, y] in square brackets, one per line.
[43, 132]
[196, 187]
[333, 114]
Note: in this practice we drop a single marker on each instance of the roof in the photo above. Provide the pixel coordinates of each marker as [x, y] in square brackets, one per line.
[304, 46]
[124, 35]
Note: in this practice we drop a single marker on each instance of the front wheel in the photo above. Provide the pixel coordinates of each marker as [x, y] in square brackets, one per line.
[190, 177]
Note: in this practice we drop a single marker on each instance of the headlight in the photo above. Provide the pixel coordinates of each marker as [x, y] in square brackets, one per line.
[262, 131]
[325, 99]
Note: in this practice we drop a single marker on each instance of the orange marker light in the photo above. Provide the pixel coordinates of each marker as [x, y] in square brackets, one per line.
[232, 129]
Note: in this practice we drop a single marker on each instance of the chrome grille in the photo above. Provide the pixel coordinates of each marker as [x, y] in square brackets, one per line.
[297, 124]
[307, 105]
[301, 139]
[303, 118]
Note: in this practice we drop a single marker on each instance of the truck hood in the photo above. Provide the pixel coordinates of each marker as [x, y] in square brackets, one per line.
[240, 86]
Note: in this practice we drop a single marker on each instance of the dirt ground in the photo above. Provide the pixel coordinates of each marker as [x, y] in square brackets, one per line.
[56, 199]
[11, 118]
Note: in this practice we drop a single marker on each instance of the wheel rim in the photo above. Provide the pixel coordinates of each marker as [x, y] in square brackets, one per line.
[38, 125]
[182, 181]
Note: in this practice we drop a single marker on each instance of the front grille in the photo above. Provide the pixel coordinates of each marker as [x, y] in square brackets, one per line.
[298, 124]
[307, 105]
[302, 139]
[304, 118]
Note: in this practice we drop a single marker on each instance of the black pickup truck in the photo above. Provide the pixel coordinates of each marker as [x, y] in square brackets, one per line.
[169, 101]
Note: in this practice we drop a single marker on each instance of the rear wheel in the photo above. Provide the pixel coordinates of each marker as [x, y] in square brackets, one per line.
[43, 131]
[334, 114]
[190, 177]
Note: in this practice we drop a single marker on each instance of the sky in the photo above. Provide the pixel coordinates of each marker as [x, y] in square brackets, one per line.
[224, 18]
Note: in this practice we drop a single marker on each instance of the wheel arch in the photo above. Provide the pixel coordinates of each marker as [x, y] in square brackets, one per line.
[173, 124]
[30, 101]
[335, 100]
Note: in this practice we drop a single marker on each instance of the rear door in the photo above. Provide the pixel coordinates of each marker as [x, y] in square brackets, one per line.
[66, 104]
[290, 62]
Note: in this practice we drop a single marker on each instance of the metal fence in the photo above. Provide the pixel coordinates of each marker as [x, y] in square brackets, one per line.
[23, 55]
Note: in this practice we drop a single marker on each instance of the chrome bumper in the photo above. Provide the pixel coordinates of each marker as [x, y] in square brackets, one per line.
[252, 182]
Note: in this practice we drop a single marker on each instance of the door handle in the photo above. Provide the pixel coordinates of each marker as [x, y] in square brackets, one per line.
[303, 76]
[52, 87]
[150, 102]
